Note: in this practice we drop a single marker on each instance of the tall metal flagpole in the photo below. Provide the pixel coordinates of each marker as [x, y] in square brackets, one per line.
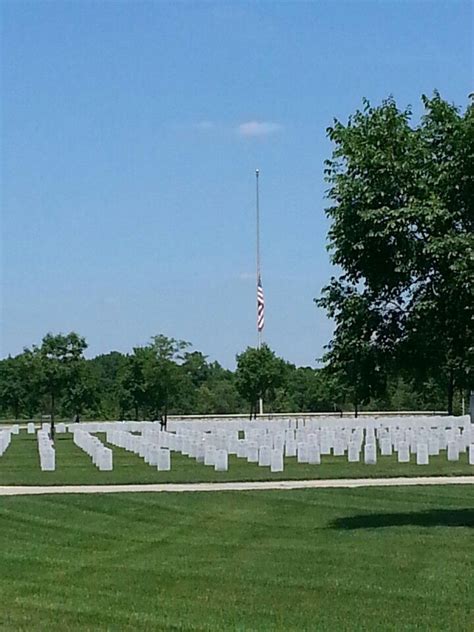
[259, 332]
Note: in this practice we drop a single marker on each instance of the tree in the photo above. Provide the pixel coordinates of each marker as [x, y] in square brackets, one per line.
[57, 361]
[402, 234]
[355, 356]
[107, 370]
[17, 388]
[81, 391]
[131, 383]
[196, 366]
[259, 371]
[162, 374]
[312, 390]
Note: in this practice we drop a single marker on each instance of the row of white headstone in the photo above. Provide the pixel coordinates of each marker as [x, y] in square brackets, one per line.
[152, 452]
[101, 456]
[47, 453]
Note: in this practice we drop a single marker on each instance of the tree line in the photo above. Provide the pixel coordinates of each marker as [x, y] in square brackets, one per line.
[166, 376]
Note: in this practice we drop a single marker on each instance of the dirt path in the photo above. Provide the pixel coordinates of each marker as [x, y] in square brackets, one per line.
[242, 486]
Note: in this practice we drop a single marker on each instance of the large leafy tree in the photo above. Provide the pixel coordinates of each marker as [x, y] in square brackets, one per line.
[402, 219]
[57, 363]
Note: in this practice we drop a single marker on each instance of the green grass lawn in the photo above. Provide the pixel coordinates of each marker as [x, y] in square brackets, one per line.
[20, 466]
[360, 559]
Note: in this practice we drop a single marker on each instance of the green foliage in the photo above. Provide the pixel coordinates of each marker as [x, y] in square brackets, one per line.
[17, 384]
[164, 377]
[259, 373]
[402, 233]
[107, 370]
[57, 366]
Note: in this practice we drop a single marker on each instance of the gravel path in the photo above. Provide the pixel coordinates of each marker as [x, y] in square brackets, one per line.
[239, 486]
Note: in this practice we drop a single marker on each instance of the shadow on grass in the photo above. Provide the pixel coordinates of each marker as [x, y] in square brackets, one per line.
[433, 518]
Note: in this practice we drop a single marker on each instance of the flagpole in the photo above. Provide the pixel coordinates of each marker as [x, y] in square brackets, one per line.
[259, 333]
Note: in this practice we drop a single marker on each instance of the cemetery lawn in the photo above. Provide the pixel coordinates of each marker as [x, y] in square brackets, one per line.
[358, 559]
[19, 465]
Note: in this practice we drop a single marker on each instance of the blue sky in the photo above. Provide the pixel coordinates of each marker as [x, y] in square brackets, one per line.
[131, 133]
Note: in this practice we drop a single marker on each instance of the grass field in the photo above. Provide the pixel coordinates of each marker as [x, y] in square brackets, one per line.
[365, 559]
[20, 466]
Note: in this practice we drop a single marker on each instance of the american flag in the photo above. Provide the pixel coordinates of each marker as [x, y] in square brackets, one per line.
[260, 305]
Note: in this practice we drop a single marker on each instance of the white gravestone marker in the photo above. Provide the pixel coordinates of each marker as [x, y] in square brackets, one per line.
[252, 452]
[422, 457]
[403, 452]
[453, 451]
[164, 460]
[276, 464]
[354, 452]
[370, 454]
[265, 456]
[314, 454]
[221, 464]
[209, 455]
[302, 455]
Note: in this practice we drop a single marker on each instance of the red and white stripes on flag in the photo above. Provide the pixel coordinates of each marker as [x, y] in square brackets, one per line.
[260, 305]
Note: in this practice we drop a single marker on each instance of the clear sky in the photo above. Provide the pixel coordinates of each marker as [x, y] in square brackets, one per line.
[131, 133]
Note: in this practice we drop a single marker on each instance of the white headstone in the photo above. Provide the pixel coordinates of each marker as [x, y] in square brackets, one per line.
[153, 455]
[354, 452]
[221, 464]
[422, 457]
[325, 443]
[313, 454]
[265, 455]
[242, 449]
[200, 451]
[453, 451]
[252, 452]
[279, 441]
[386, 446]
[164, 460]
[433, 445]
[370, 454]
[105, 462]
[209, 455]
[276, 463]
[403, 452]
[302, 455]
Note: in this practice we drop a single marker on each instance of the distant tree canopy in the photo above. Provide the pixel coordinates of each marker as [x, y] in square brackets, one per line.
[402, 220]
[167, 377]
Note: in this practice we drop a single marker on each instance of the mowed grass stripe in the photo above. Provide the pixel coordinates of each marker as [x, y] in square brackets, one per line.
[20, 466]
[298, 560]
